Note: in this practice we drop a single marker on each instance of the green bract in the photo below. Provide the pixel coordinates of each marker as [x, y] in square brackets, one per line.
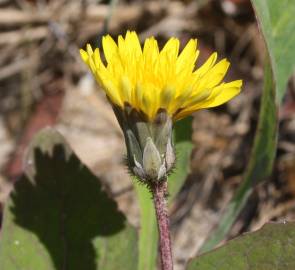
[150, 151]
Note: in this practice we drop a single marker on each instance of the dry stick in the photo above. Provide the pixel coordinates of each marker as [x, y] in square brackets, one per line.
[159, 191]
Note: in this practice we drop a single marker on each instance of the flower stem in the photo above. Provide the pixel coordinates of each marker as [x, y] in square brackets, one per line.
[159, 191]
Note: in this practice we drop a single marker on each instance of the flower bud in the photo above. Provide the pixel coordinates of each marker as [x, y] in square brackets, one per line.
[150, 151]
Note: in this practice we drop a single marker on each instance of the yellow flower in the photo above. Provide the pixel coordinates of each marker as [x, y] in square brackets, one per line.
[149, 79]
[150, 89]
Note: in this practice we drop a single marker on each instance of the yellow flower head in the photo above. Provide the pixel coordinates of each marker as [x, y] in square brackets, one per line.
[150, 89]
[149, 79]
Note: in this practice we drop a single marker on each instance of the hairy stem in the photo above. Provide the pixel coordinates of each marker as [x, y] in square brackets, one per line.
[159, 191]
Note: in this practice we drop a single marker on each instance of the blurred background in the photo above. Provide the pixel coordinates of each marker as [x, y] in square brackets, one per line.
[43, 82]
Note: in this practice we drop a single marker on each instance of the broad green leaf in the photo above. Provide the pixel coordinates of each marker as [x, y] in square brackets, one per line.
[270, 248]
[148, 235]
[59, 216]
[277, 25]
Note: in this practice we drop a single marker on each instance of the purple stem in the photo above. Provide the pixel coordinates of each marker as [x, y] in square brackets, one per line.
[159, 191]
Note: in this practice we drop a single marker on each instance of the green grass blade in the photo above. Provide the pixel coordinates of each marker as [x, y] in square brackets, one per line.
[277, 24]
[260, 164]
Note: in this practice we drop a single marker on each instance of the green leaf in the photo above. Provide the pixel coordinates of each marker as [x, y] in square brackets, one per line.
[276, 20]
[59, 216]
[260, 164]
[277, 27]
[148, 235]
[183, 146]
[270, 248]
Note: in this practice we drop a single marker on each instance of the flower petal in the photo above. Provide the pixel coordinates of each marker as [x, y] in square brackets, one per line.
[201, 71]
[223, 93]
[110, 48]
[149, 79]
